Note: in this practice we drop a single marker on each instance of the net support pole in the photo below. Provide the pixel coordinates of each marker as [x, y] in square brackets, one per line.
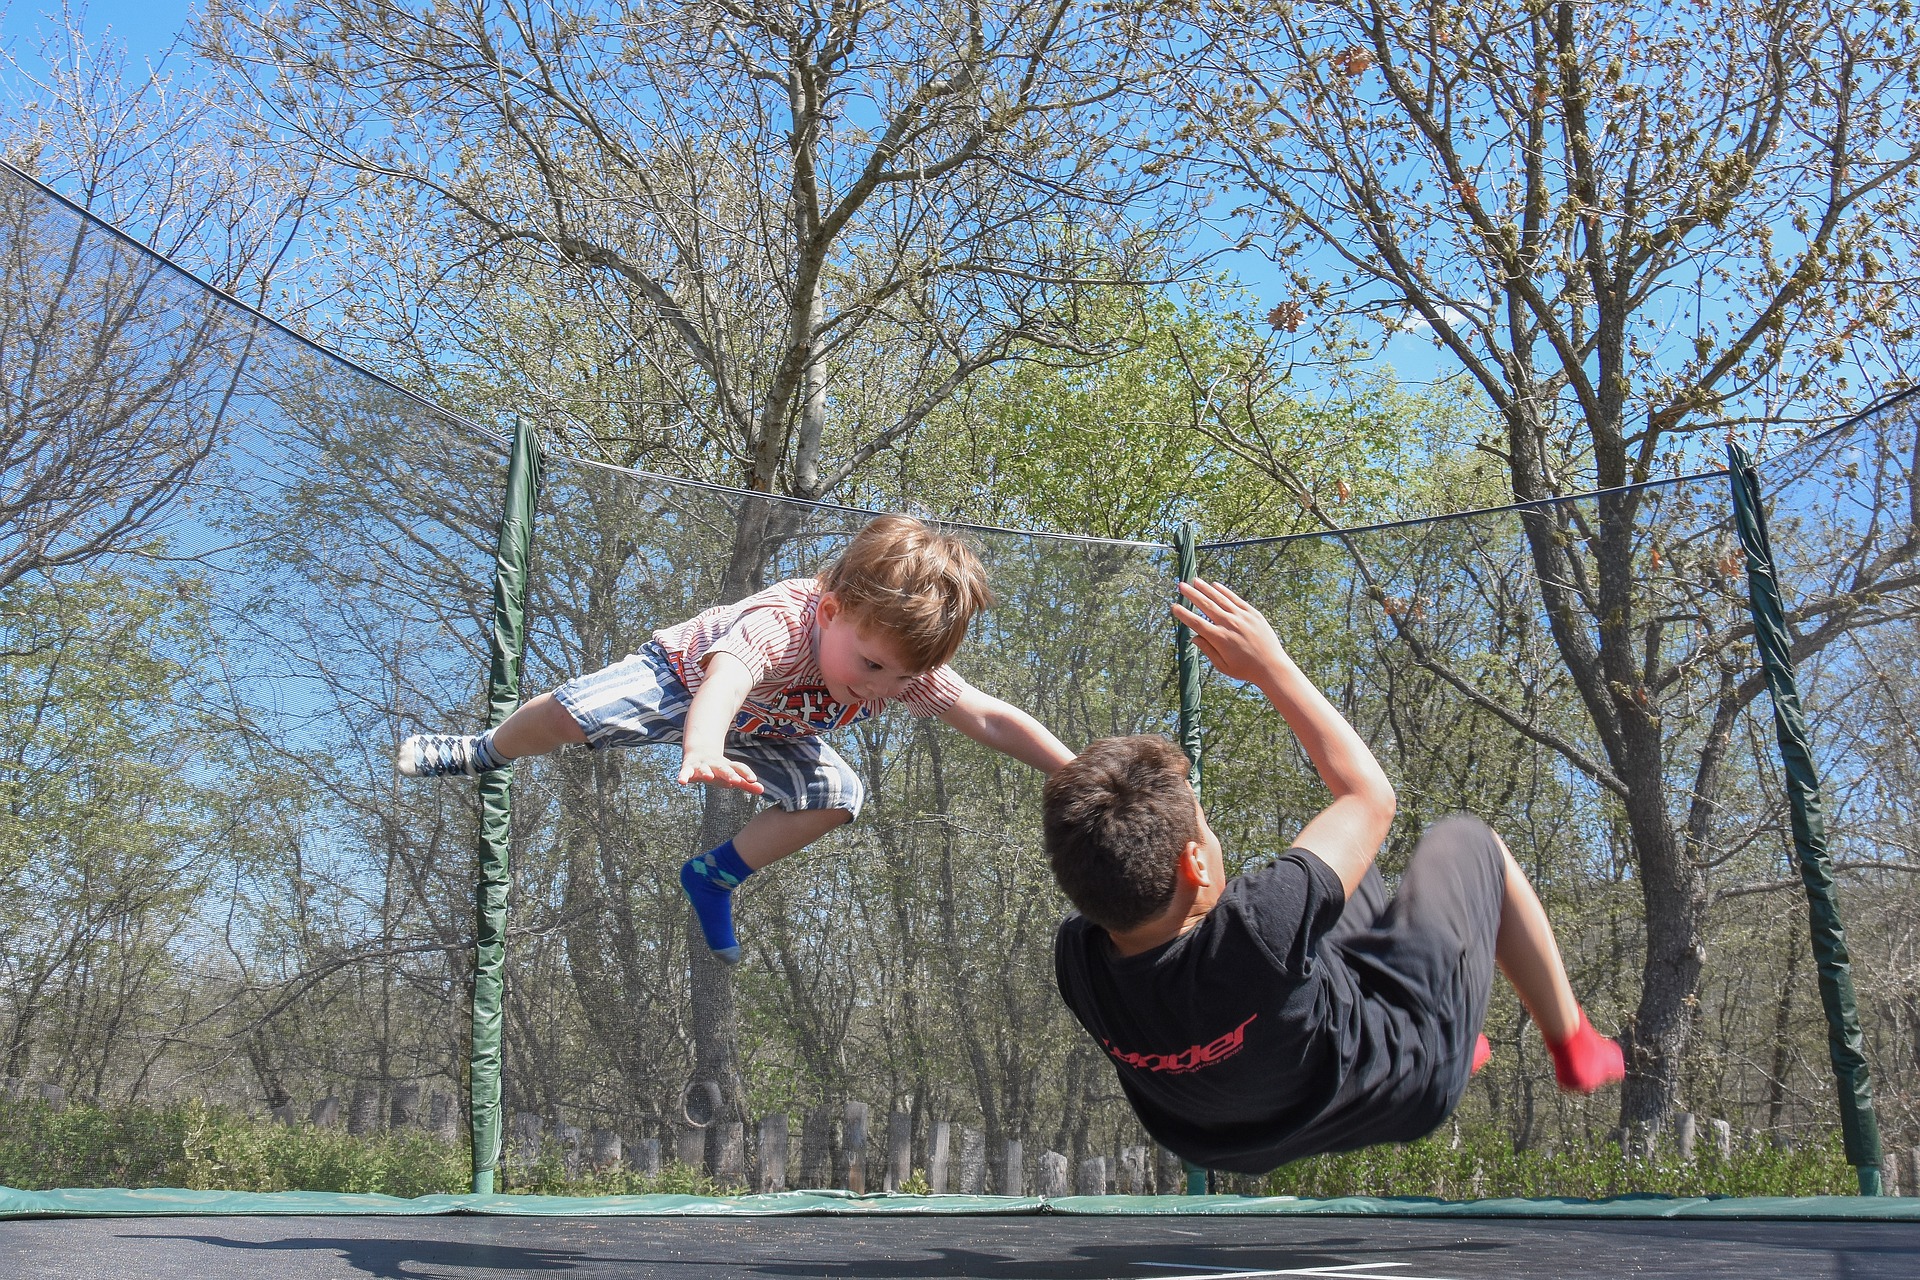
[1859, 1126]
[507, 646]
[1187, 661]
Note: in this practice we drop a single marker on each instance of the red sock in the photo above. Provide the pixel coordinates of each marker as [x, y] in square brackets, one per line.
[1587, 1060]
[1482, 1051]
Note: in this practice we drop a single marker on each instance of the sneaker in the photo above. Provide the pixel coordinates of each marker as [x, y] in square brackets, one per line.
[430, 755]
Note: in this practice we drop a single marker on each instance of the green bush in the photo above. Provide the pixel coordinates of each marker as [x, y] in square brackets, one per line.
[205, 1148]
[1488, 1167]
[208, 1148]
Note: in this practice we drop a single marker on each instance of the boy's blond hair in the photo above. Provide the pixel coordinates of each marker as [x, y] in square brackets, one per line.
[920, 585]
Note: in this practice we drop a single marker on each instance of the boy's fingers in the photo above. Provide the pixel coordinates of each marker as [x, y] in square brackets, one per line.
[1191, 621]
[1236, 598]
[1196, 590]
[1219, 600]
[1199, 598]
[1206, 633]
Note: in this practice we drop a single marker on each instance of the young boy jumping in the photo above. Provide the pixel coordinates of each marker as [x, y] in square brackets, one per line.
[1295, 1009]
[747, 688]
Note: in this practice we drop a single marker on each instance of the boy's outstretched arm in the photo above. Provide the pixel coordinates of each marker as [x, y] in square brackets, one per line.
[1006, 729]
[703, 740]
[1239, 641]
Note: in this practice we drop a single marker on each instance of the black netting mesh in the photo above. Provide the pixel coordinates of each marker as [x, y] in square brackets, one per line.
[914, 945]
[215, 886]
[212, 884]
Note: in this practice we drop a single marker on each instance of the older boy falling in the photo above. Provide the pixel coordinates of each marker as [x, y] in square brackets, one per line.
[1295, 1009]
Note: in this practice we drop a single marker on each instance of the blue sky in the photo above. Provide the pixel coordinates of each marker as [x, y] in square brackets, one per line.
[146, 26]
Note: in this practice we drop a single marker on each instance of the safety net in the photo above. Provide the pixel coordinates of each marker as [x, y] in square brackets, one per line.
[1633, 768]
[236, 951]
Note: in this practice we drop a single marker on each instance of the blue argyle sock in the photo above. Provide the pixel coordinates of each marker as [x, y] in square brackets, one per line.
[709, 882]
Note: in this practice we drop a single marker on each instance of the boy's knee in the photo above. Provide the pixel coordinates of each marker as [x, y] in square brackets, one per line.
[1462, 835]
[1461, 830]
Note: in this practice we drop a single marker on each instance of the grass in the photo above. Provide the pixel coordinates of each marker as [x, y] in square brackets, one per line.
[1487, 1167]
[205, 1148]
[210, 1148]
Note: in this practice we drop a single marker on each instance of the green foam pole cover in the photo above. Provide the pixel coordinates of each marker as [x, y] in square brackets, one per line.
[1859, 1127]
[508, 646]
[1188, 660]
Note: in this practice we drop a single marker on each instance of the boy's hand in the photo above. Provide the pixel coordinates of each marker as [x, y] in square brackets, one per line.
[1236, 637]
[716, 770]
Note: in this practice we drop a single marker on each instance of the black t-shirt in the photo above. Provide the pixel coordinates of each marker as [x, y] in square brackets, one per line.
[1250, 1040]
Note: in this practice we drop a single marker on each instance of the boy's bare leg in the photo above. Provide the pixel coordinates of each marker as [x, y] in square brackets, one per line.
[772, 834]
[1525, 950]
[539, 726]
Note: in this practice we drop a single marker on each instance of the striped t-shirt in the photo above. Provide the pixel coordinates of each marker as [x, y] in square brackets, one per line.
[772, 633]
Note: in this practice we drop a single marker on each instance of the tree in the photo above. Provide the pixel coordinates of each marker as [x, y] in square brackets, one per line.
[812, 225]
[106, 848]
[1632, 226]
[104, 407]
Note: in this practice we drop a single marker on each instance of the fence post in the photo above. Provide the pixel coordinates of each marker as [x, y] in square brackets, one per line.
[856, 1147]
[606, 1148]
[1859, 1126]
[1013, 1168]
[939, 1142]
[363, 1114]
[773, 1153]
[730, 1154]
[1133, 1171]
[816, 1148]
[899, 1150]
[1050, 1179]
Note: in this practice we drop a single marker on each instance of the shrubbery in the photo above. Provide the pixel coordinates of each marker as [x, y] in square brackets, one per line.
[208, 1148]
[1488, 1167]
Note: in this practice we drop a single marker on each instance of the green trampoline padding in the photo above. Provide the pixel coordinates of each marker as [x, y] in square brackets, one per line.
[173, 1201]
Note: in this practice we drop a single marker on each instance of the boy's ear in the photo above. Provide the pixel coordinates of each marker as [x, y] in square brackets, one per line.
[828, 608]
[1193, 866]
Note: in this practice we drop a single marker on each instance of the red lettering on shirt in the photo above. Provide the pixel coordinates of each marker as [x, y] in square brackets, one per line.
[1200, 1055]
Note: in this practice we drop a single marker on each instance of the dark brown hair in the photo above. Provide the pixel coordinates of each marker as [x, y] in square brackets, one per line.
[920, 585]
[1115, 820]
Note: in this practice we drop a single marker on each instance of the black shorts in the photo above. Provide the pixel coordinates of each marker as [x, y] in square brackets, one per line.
[1430, 947]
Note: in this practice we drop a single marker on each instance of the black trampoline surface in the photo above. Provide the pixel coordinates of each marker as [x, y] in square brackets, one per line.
[1102, 1248]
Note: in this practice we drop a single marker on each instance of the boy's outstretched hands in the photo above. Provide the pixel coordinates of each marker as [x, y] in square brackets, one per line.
[716, 770]
[1236, 637]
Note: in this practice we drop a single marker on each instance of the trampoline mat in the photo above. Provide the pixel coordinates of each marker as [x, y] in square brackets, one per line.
[997, 1248]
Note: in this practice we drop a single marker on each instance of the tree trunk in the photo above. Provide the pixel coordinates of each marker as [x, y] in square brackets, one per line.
[716, 1054]
[1782, 1044]
[1674, 899]
[761, 528]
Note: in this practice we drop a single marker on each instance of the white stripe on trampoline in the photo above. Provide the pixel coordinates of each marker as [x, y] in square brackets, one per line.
[1344, 1270]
